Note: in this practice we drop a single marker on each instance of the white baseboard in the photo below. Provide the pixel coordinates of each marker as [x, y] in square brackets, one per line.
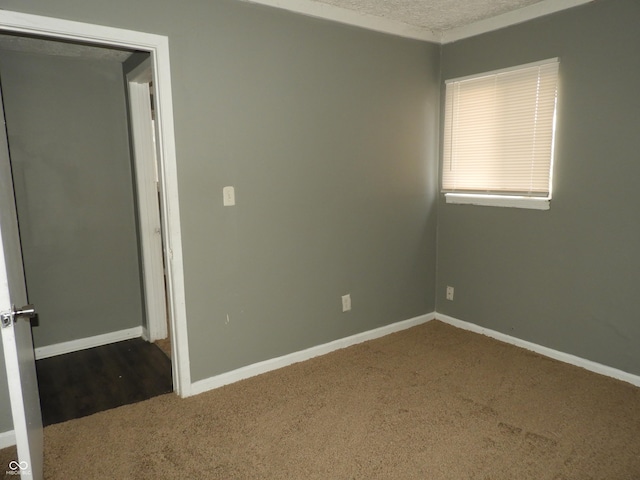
[547, 352]
[89, 342]
[7, 439]
[217, 381]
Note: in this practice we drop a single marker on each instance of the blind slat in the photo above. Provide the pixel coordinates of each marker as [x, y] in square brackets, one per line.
[498, 135]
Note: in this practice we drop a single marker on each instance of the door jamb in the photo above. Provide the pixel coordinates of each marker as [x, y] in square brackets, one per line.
[158, 48]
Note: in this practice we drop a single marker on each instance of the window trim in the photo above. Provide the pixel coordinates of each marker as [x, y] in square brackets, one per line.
[486, 200]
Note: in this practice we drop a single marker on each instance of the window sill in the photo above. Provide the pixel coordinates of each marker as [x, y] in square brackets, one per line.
[498, 201]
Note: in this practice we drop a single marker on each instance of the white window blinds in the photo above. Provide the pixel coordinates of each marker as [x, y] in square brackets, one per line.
[498, 131]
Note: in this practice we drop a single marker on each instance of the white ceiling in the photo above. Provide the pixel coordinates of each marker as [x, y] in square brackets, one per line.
[434, 15]
[439, 21]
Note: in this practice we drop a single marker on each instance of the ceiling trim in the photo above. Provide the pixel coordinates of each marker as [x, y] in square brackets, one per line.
[536, 10]
[370, 22]
[350, 17]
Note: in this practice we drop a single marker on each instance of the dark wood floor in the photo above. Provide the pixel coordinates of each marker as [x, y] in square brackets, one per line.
[82, 383]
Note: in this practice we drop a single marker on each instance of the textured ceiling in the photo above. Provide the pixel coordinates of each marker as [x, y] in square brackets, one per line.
[431, 20]
[61, 49]
[434, 15]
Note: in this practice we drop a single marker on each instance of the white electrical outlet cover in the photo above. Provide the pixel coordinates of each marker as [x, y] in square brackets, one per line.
[450, 292]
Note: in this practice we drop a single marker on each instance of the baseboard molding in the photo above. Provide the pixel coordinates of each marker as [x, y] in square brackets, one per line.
[546, 351]
[217, 381]
[89, 342]
[7, 439]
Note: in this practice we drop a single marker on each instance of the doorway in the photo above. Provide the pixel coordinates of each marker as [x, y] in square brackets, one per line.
[68, 136]
[158, 48]
[27, 434]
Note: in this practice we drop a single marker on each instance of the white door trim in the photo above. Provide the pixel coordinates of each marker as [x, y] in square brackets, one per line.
[158, 47]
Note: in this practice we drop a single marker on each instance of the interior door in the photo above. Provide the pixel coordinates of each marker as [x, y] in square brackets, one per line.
[16, 329]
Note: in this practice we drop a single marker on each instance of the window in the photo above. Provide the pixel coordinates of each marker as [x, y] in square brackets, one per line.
[498, 136]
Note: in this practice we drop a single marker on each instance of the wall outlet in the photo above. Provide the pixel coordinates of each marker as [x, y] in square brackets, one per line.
[346, 302]
[449, 293]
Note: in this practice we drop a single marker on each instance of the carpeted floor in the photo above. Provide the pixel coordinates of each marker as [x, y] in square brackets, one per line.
[432, 402]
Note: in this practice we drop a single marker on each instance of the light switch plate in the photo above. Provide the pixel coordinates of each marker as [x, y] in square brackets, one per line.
[228, 196]
[346, 302]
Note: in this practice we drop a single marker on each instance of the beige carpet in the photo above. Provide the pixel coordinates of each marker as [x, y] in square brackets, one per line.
[428, 403]
[164, 345]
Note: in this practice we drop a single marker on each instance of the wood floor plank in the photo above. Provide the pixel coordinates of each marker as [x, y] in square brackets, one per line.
[82, 383]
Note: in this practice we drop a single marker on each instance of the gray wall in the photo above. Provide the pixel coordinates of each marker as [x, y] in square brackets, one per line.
[329, 134]
[67, 128]
[566, 278]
